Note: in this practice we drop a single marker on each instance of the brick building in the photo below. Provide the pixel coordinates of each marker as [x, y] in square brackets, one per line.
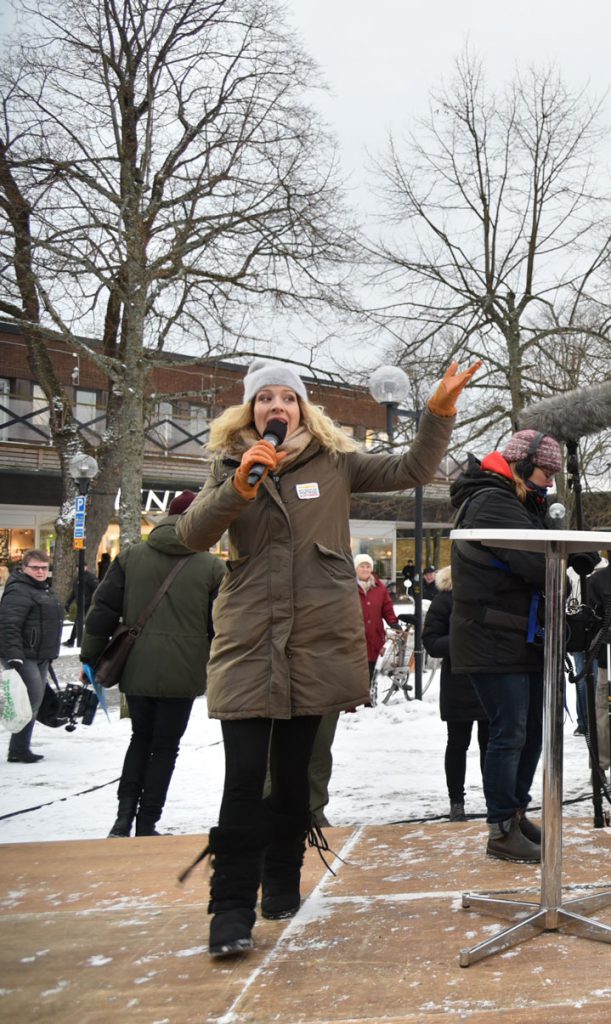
[184, 398]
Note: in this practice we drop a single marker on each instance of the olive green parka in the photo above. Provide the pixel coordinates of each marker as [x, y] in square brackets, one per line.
[289, 637]
[170, 656]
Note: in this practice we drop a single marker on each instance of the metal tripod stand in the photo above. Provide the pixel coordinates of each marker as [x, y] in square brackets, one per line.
[550, 913]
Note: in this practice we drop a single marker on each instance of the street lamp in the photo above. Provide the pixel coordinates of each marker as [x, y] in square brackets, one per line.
[389, 386]
[82, 469]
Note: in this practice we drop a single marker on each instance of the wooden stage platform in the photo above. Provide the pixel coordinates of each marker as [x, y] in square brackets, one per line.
[99, 931]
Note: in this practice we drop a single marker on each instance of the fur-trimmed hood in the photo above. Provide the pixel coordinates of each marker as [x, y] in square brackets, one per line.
[443, 578]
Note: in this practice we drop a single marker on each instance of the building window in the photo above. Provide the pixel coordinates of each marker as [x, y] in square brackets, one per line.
[199, 419]
[160, 427]
[40, 408]
[5, 407]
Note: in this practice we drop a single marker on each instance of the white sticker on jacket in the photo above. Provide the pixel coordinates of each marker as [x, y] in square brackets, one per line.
[306, 491]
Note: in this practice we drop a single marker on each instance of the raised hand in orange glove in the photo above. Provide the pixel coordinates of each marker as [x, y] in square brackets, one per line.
[262, 452]
[443, 401]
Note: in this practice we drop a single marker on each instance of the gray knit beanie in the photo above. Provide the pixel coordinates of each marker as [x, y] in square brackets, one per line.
[262, 374]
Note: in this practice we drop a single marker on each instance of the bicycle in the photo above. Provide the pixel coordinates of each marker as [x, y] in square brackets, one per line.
[396, 662]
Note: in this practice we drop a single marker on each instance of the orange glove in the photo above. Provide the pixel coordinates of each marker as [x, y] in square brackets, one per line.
[443, 401]
[262, 452]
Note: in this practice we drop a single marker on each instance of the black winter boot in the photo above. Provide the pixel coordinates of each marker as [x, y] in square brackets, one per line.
[506, 841]
[125, 818]
[145, 825]
[282, 863]
[457, 811]
[236, 862]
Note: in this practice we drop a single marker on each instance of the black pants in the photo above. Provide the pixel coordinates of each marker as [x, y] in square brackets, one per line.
[248, 742]
[158, 725]
[459, 738]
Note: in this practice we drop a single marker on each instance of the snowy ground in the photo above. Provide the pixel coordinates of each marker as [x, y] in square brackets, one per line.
[388, 768]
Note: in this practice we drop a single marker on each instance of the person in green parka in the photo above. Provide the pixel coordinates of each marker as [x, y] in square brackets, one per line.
[289, 645]
[166, 669]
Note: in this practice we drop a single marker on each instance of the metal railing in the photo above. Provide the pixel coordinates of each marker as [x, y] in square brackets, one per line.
[25, 420]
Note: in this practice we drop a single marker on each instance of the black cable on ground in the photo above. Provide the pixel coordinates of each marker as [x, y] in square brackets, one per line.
[475, 817]
[58, 800]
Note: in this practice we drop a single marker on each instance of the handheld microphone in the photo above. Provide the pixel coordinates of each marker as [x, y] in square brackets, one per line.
[275, 433]
[571, 415]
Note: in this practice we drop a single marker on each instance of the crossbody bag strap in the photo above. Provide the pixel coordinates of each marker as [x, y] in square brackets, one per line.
[167, 583]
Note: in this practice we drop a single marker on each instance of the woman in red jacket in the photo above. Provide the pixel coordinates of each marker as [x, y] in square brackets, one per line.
[376, 607]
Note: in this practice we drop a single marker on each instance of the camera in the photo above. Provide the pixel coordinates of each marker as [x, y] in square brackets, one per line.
[76, 702]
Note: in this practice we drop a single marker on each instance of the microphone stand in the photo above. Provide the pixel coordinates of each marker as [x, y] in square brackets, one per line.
[574, 484]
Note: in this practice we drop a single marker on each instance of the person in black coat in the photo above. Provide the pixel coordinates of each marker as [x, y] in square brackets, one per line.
[90, 582]
[598, 595]
[31, 620]
[429, 584]
[495, 637]
[459, 705]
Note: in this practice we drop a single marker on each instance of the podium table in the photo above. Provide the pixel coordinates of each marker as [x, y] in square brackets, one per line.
[550, 913]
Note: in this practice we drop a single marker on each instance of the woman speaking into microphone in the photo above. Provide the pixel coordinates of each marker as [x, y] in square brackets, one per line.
[289, 644]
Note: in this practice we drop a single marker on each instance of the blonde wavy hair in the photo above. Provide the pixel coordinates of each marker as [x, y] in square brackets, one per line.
[226, 430]
[521, 488]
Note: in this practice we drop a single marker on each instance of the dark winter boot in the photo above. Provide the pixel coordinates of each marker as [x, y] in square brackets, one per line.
[457, 811]
[145, 825]
[125, 818]
[528, 828]
[281, 897]
[236, 863]
[507, 842]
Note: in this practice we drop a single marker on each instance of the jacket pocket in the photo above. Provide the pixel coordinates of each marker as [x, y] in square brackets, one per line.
[235, 571]
[335, 564]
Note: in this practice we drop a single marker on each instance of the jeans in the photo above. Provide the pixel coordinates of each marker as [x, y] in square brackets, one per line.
[248, 743]
[581, 699]
[459, 738]
[514, 705]
[602, 718]
[158, 725]
[34, 675]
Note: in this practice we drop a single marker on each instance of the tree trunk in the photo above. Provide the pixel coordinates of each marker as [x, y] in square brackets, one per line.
[132, 450]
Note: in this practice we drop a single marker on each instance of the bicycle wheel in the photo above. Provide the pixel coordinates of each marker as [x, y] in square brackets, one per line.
[373, 688]
[393, 688]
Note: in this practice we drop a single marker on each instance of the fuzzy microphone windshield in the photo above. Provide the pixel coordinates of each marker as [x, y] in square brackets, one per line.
[572, 415]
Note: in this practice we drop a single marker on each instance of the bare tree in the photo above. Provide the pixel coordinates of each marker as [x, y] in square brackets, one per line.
[181, 187]
[495, 234]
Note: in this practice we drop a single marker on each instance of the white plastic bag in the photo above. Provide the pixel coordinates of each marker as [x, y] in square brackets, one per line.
[16, 708]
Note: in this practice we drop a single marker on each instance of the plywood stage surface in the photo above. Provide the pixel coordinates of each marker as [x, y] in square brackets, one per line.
[99, 931]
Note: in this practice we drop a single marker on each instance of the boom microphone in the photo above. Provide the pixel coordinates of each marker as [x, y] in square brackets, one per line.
[572, 415]
[275, 433]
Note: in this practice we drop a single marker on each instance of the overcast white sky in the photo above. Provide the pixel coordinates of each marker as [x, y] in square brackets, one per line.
[381, 59]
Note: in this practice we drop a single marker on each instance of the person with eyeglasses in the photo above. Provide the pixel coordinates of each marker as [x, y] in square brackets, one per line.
[31, 620]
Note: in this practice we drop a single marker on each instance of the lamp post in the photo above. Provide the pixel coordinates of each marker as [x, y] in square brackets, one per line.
[390, 386]
[82, 469]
